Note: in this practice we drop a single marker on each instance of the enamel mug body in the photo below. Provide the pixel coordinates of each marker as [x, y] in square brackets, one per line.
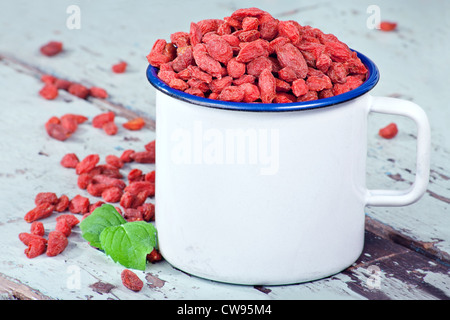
[273, 194]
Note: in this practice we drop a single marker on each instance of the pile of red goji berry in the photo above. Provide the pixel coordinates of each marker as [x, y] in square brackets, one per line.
[251, 56]
[99, 180]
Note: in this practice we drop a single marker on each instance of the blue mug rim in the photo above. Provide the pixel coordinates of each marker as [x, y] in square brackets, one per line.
[369, 84]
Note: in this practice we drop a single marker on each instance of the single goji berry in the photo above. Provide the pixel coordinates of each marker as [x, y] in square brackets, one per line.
[49, 92]
[389, 132]
[131, 281]
[26, 237]
[63, 226]
[79, 204]
[148, 211]
[87, 164]
[37, 228]
[126, 155]
[62, 204]
[45, 197]
[119, 67]
[99, 120]
[69, 218]
[387, 26]
[51, 48]
[56, 243]
[78, 90]
[62, 84]
[110, 128]
[143, 157]
[97, 92]
[154, 256]
[112, 194]
[48, 79]
[69, 160]
[35, 248]
[134, 124]
[41, 211]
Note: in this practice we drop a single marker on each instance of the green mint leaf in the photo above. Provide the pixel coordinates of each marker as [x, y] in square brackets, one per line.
[129, 243]
[101, 218]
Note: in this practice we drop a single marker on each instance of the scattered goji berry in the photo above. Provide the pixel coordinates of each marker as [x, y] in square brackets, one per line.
[387, 26]
[131, 281]
[51, 48]
[126, 155]
[35, 248]
[71, 220]
[49, 92]
[97, 92]
[56, 243]
[87, 164]
[110, 128]
[63, 226]
[41, 211]
[37, 228]
[26, 237]
[119, 67]
[134, 124]
[45, 197]
[389, 132]
[78, 90]
[69, 160]
[143, 157]
[62, 204]
[154, 256]
[62, 84]
[79, 204]
[99, 120]
[48, 79]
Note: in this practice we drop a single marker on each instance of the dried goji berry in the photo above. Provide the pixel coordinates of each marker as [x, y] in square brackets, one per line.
[62, 84]
[148, 211]
[131, 281]
[48, 79]
[51, 48]
[119, 67]
[134, 124]
[35, 248]
[79, 204]
[56, 243]
[150, 176]
[154, 256]
[387, 26]
[62, 204]
[41, 211]
[136, 187]
[70, 160]
[112, 194]
[110, 128]
[45, 197]
[143, 157]
[37, 228]
[99, 120]
[389, 132]
[78, 90]
[26, 238]
[267, 86]
[132, 214]
[71, 220]
[126, 155]
[97, 92]
[87, 164]
[135, 175]
[49, 92]
[63, 226]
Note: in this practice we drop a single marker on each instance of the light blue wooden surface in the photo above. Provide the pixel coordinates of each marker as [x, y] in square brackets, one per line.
[413, 63]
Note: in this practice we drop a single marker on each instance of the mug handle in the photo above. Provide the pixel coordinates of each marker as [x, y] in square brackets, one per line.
[396, 198]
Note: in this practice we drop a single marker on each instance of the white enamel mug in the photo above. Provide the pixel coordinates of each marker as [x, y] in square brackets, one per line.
[269, 194]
